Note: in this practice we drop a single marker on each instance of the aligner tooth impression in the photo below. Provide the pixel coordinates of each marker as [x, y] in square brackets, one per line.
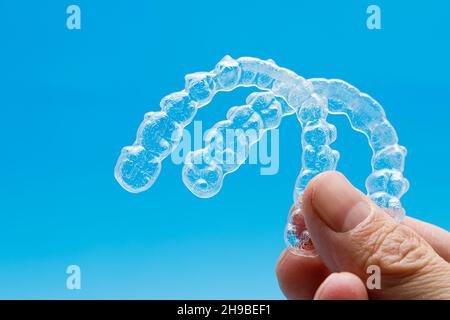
[284, 93]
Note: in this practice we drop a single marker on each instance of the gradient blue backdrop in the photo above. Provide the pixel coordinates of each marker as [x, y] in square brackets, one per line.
[71, 99]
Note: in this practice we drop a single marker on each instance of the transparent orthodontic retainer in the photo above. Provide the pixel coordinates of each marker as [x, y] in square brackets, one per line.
[284, 93]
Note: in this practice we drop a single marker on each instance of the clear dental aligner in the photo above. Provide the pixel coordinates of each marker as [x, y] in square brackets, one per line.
[284, 93]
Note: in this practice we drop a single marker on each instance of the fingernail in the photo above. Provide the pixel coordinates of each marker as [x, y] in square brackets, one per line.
[340, 205]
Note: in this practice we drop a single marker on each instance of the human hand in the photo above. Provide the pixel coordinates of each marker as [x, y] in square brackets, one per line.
[350, 233]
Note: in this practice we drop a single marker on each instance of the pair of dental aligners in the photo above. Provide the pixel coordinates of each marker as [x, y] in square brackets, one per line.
[284, 93]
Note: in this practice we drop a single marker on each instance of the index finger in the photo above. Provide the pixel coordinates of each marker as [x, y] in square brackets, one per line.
[437, 237]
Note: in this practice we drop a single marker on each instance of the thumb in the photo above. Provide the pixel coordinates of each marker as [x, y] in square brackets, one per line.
[352, 234]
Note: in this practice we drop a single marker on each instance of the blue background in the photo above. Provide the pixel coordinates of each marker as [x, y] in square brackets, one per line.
[71, 99]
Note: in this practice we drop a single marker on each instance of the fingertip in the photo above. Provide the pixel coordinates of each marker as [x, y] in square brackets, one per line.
[299, 276]
[342, 286]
